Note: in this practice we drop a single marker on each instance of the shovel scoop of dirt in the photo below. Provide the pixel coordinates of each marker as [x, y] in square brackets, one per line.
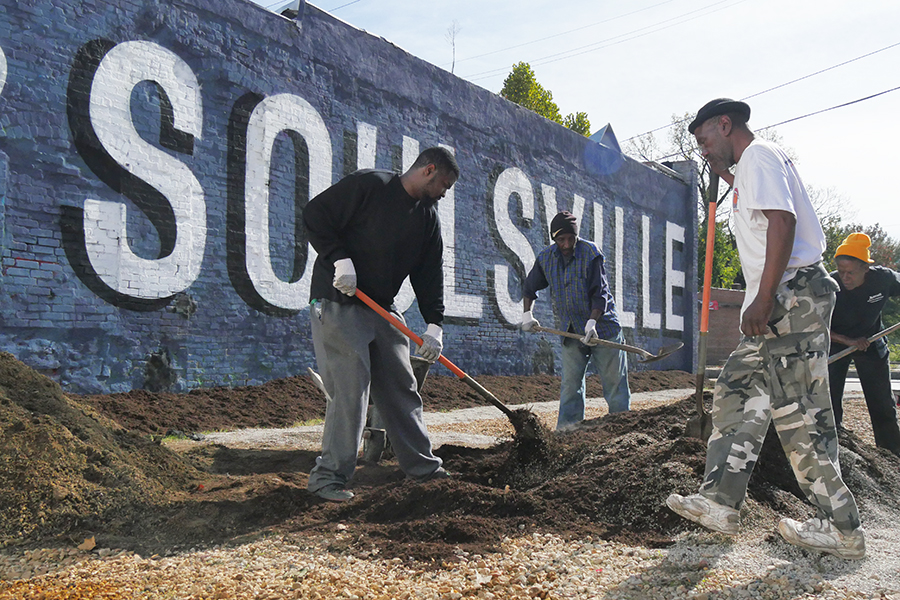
[527, 425]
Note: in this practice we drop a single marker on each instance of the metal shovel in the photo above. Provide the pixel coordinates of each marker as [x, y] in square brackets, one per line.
[648, 356]
[850, 350]
[700, 426]
[375, 440]
[524, 422]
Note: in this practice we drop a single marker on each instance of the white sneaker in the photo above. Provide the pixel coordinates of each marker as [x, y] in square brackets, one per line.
[822, 536]
[711, 515]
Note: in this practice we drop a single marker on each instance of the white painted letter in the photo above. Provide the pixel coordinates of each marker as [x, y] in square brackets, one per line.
[106, 241]
[511, 181]
[674, 233]
[598, 225]
[2, 70]
[651, 319]
[282, 112]
[455, 305]
[366, 137]
[626, 318]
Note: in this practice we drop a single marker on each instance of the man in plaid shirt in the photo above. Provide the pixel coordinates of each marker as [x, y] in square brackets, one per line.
[582, 302]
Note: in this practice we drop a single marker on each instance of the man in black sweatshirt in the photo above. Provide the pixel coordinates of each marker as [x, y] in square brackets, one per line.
[857, 316]
[372, 229]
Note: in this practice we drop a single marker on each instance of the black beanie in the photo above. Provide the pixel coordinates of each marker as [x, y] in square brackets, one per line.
[564, 222]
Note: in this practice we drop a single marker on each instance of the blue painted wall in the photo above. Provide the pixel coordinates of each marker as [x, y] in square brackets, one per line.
[155, 157]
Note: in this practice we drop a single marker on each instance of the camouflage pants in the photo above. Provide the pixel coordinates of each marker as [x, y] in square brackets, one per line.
[783, 377]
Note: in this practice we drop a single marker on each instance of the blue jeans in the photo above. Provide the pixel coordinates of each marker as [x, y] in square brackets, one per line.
[611, 366]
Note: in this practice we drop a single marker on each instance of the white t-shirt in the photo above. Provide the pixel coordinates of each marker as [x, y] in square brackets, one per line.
[766, 179]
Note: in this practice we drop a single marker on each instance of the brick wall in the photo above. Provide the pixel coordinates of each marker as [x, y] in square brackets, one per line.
[155, 157]
[724, 324]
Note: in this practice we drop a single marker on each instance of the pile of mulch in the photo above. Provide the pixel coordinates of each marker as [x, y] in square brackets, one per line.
[66, 471]
[63, 466]
[292, 400]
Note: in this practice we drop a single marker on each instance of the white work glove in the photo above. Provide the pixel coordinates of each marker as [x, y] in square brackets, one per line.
[345, 276]
[432, 343]
[528, 322]
[590, 333]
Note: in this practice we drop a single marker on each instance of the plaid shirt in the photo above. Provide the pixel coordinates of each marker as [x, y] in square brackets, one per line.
[577, 285]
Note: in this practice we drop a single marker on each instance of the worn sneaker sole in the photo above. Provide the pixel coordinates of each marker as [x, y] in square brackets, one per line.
[846, 553]
[701, 518]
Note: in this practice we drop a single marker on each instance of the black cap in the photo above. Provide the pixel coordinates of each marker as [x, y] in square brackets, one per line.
[563, 222]
[719, 106]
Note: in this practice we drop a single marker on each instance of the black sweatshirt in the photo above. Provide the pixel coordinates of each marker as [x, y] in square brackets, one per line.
[369, 218]
[857, 312]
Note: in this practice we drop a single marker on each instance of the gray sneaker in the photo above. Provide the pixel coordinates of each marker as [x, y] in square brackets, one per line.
[439, 473]
[700, 509]
[334, 492]
[820, 535]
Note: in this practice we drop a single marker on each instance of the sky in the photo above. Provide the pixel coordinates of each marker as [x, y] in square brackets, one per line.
[633, 65]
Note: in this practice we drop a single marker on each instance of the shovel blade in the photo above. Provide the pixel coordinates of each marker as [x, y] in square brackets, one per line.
[420, 368]
[374, 443]
[663, 353]
[699, 426]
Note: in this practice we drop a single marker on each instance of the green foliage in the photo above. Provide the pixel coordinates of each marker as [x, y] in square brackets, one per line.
[578, 123]
[830, 206]
[726, 264]
[521, 86]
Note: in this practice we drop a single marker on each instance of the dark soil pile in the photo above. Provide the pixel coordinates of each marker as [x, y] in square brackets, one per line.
[286, 402]
[63, 467]
[66, 470]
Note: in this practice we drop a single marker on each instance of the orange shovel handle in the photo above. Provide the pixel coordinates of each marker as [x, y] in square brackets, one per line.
[443, 360]
[406, 330]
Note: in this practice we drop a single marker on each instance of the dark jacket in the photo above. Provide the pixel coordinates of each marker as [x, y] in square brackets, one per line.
[370, 218]
[857, 312]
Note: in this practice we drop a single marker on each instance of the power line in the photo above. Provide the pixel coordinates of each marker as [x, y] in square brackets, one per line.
[682, 21]
[270, 6]
[818, 112]
[825, 70]
[834, 107]
[610, 41]
[555, 35]
[344, 5]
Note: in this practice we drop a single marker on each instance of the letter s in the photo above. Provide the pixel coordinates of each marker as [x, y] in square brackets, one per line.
[515, 246]
[162, 187]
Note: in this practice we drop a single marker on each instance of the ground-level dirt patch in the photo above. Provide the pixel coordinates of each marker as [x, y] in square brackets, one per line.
[73, 472]
[286, 402]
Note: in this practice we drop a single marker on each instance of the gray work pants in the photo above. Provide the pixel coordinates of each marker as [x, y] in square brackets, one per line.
[358, 351]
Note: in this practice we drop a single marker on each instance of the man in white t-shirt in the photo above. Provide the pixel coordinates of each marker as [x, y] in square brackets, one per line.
[779, 371]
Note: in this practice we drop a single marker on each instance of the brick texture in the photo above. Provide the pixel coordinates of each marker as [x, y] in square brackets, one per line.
[155, 158]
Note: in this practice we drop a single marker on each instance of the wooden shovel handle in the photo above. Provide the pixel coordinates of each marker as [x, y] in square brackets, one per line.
[850, 350]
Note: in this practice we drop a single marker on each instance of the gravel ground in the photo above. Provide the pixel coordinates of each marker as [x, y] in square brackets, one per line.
[701, 565]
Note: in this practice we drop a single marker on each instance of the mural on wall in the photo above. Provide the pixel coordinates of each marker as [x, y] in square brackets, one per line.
[155, 162]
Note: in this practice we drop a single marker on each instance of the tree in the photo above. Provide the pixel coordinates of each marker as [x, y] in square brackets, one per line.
[452, 31]
[726, 267]
[521, 86]
[578, 123]
[829, 204]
